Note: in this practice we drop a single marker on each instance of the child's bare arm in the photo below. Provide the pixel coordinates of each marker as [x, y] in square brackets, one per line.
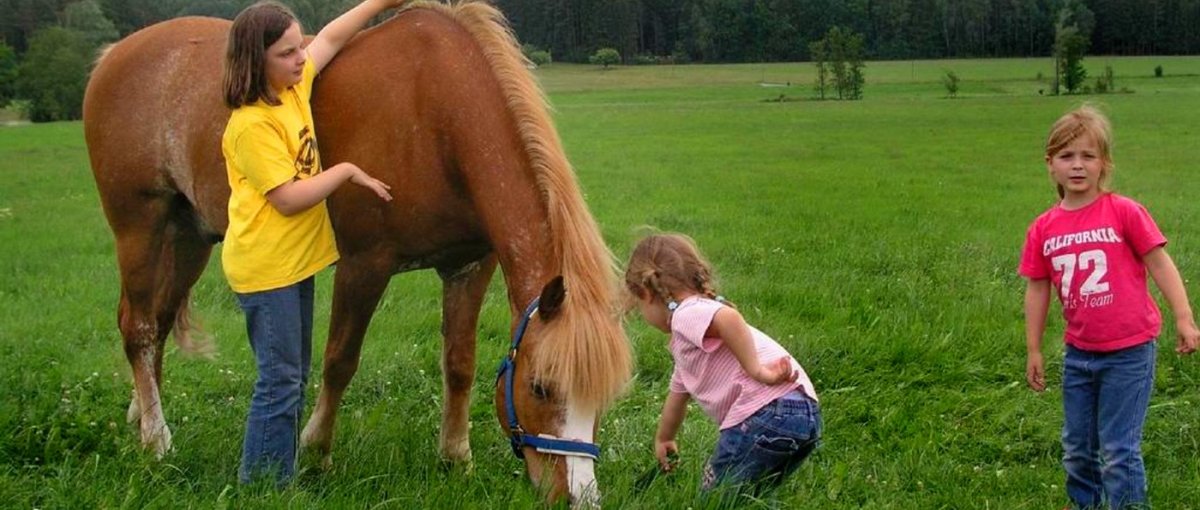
[732, 328]
[332, 37]
[674, 410]
[1166, 276]
[1037, 304]
[299, 195]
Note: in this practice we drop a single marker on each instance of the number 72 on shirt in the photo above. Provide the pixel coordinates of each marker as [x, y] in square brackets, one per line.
[1093, 260]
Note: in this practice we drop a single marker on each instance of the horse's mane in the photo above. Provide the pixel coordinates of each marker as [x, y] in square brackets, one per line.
[102, 52]
[589, 356]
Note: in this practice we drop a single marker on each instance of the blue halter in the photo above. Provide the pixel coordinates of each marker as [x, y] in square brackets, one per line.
[516, 435]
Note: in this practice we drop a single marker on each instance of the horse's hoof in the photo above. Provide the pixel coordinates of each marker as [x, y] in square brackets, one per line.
[313, 438]
[457, 452]
[320, 459]
[463, 467]
[160, 443]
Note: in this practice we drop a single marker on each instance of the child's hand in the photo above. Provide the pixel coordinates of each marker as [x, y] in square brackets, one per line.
[362, 179]
[1035, 372]
[778, 372]
[1189, 336]
[667, 453]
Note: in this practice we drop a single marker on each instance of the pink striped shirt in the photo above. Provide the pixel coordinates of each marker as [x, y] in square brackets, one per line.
[708, 371]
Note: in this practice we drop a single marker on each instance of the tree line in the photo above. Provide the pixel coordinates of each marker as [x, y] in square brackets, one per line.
[47, 46]
[781, 30]
[734, 30]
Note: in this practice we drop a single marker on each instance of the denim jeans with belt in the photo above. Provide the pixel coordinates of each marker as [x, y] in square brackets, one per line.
[768, 446]
[1105, 399]
[279, 322]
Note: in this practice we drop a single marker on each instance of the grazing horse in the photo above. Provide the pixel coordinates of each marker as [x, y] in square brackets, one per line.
[438, 103]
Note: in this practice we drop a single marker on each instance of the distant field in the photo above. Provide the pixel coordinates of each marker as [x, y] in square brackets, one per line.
[576, 77]
[876, 239]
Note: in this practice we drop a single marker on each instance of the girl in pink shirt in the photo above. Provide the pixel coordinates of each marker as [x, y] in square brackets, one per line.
[762, 400]
[1093, 250]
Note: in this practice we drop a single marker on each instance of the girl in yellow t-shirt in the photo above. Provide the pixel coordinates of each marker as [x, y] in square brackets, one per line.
[279, 233]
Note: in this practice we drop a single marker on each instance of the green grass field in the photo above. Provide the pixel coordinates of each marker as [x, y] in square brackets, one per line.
[876, 239]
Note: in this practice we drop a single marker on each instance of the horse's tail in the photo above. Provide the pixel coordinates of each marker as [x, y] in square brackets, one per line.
[189, 336]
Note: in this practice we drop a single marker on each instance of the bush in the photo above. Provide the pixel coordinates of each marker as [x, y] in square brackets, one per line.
[540, 58]
[605, 57]
[21, 107]
[8, 73]
[1158, 73]
[1104, 83]
[644, 60]
[54, 74]
[950, 81]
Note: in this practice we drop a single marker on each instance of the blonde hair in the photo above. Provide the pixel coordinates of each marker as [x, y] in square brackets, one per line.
[1085, 121]
[254, 30]
[668, 263]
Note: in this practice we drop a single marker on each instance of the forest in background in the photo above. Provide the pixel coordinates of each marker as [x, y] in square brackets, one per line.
[47, 46]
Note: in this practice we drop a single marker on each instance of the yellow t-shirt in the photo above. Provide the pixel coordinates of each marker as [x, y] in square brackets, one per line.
[266, 146]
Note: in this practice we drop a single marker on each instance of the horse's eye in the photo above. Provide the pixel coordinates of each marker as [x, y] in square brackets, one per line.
[540, 391]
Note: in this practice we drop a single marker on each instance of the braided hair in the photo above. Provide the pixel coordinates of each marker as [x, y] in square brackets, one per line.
[668, 263]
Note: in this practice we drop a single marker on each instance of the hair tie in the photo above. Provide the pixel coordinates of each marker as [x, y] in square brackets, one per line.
[672, 305]
[721, 299]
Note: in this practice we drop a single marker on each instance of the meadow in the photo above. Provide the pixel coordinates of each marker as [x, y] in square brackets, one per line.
[877, 240]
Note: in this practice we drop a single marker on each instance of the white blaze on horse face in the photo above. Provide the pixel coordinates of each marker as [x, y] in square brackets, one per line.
[581, 475]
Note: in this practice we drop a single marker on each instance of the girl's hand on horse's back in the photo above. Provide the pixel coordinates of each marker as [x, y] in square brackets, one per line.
[380, 188]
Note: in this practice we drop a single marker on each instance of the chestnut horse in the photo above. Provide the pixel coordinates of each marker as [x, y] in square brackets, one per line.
[438, 103]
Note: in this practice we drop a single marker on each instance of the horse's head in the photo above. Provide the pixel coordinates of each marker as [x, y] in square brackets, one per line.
[550, 419]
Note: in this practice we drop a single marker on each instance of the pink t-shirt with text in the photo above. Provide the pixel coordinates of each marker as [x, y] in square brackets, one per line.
[707, 370]
[1093, 258]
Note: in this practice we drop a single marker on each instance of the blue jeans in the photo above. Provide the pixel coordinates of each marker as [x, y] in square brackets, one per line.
[279, 322]
[1105, 398]
[766, 447]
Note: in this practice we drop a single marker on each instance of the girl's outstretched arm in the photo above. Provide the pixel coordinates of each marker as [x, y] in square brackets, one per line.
[329, 40]
[299, 195]
[674, 410]
[1037, 303]
[729, 325]
[1166, 276]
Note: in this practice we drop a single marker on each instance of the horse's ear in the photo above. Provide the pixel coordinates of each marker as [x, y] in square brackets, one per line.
[552, 298]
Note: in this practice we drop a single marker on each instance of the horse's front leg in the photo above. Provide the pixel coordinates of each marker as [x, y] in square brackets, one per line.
[359, 283]
[462, 295]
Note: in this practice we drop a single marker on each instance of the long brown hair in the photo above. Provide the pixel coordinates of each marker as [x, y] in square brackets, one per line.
[667, 263]
[1087, 121]
[254, 30]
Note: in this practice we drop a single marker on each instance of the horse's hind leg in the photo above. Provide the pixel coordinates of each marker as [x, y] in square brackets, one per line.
[359, 283]
[462, 296]
[160, 256]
